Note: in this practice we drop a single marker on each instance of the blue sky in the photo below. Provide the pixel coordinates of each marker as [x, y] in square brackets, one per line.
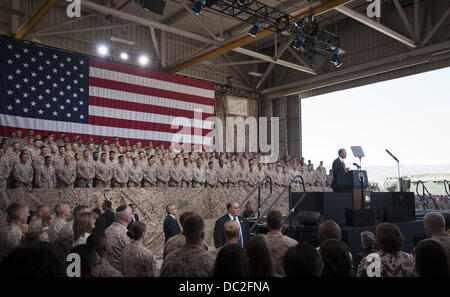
[410, 116]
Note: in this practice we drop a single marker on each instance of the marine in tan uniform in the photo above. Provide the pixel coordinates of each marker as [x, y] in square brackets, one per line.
[23, 172]
[103, 249]
[175, 172]
[13, 153]
[163, 174]
[190, 260]
[210, 176]
[103, 173]
[278, 243]
[121, 174]
[320, 176]
[277, 177]
[116, 234]
[46, 175]
[242, 173]
[186, 174]
[310, 176]
[36, 224]
[198, 175]
[149, 172]
[12, 234]
[62, 212]
[253, 177]
[221, 172]
[66, 174]
[5, 170]
[67, 229]
[232, 175]
[85, 171]
[136, 174]
[286, 177]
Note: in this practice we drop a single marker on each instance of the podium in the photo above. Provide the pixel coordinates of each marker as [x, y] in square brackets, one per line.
[349, 182]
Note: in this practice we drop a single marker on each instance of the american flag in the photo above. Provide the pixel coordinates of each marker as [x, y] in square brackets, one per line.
[49, 90]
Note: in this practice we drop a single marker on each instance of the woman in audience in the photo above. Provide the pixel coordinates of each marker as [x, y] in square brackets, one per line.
[47, 220]
[259, 259]
[136, 259]
[82, 227]
[336, 259]
[248, 210]
[232, 232]
[231, 262]
[431, 259]
[303, 260]
[394, 262]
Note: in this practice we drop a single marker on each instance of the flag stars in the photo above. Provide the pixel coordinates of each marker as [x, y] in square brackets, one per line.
[40, 54]
[47, 105]
[75, 82]
[55, 113]
[81, 116]
[47, 62]
[68, 87]
[54, 99]
[75, 108]
[33, 103]
[40, 111]
[10, 61]
[25, 95]
[10, 107]
[68, 101]
[10, 92]
[75, 67]
[18, 71]
[40, 82]
[33, 59]
[81, 62]
[25, 80]
[68, 73]
[55, 70]
[17, 56]
[62, 79]
[48, 77]
[68, 115]
[25, 50]
[17, 86]
[10, 77]
[33, 74]
[61, 65]
[18, 101]
[9, 46]
[75, 95]
[25, 110]
[81, 103]
[33, 89]
[81, 90]
[55, 85]
[47, 91]
[55, 57]
[41, 68]
[69, 59]
[40, 97]
[25, 65]
[61, 93]
[81, 75]
[61, 107]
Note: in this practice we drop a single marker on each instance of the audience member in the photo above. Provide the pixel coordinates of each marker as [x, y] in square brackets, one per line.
[171, 226]
[89, 258]
[116, 234]
[191, 259]
[259, 258]
[11, 236]
[36, 224]
[137, 260]
[233, 214]
[367, 245]
[302, 260]
[135, 217]
[62, 212]
[418, 237]
[67, 229]
[101, 246]
[431, 259]
[434, 224]
[248, 210]
[336, 259]
[329, 229]
[232, 232]
[394, 262]
[231, 262]
[82, 227]
[108, 214]
[278, 243]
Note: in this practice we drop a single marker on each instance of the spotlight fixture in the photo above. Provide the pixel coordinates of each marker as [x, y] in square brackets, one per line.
[335, 59]
[198, 6]
[143, 60]
[298, 44]
[102, 50]
[300, 22]
[124, 56]
[254, 30]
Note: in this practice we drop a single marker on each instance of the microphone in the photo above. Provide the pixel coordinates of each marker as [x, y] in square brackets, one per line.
[391, 155]
[357, 166]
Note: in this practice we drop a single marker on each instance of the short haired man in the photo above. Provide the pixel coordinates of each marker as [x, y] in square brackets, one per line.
[116, 234]
[277, 242]
[67, 230]
[339, 168]
[62, 212]
[36, 224]
[101, 246]
[23, 172]
[12, 234]
[367, 244]
[434, 224]
[121, 174]
[233, 211]
[171, 226]
[190, 260]
[329, 229]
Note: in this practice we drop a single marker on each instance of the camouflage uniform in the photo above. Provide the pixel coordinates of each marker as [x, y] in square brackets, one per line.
[104, 269]
[242, 175]
[23, 173]
[55, 228]
[149, 173]
[85, 169]
[66, 175]
[399, 264]
[232, 176]
[186, 176]
[173, 243]
[136, 174]
[278, 245]
[277, 178]
[46, 177]
[67, 230]
[253, 178]
[116, 234]
[5, 172]
[210, 178]
[309, 178]
[320, 177]
[35, 225]
[137, 260]
[103, 171]
[162, 174]
[198, 177]
[188, 261]
[121, 174]
[10, 238]
[221, 173]
[176, 175]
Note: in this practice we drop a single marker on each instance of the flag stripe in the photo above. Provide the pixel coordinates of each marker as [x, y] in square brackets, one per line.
[144, 99]
[166, 81]
[67, 127]
[139, 125]
[105, 102]
[116, 113]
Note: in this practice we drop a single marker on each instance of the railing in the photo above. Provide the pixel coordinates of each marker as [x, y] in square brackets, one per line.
[258, 187]
[423, 197]
[447, 187]
[288, 187]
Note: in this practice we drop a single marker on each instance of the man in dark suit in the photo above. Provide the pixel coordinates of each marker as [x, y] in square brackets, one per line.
[339, 168]
[108, 214]
[233, 214]
[171, 226]
[135, 217]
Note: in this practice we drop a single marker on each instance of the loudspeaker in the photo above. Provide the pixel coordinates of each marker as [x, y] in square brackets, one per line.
[309, 218]
[156, 6]
[360, 217]
[397, 214]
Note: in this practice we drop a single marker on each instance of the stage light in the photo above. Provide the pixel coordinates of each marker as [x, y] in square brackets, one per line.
[124, 56]
[102, 50]
[300, 22]
[198, 6]
[298, 44]
[143, 60]
[335, 59]
[254, 30]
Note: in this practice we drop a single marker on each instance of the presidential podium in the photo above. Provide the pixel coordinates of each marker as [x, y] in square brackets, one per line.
[350, 182]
